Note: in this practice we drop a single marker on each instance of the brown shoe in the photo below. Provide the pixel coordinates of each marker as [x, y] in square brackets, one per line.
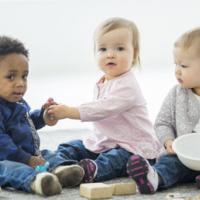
[69, 175]
[46, 184]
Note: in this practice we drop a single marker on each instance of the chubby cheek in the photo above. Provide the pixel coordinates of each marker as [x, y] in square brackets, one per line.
[100, 62]
[196, 79]
[125, 65]
[188, 80]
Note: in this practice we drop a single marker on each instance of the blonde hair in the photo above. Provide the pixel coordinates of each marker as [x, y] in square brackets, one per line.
[115, 23]
[188, 39]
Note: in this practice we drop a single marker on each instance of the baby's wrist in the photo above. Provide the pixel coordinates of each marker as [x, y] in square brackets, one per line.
[67, 112]
[167, 142]
[73, 113]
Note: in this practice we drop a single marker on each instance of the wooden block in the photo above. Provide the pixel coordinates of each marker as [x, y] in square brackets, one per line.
[124, 188]
[96, 190]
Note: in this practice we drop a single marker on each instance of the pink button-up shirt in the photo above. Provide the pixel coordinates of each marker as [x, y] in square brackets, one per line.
[120, 118]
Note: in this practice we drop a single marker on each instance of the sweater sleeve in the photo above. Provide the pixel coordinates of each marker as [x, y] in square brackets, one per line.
[37, 118]
[118, 101]
[8, 150]
[35, 115]
[165, 121]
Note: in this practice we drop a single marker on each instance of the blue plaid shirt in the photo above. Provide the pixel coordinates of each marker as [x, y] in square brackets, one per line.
[18, 136]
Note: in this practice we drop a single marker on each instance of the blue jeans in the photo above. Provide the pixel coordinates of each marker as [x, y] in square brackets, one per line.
[172, 171]
[19, 175]
[111, 164]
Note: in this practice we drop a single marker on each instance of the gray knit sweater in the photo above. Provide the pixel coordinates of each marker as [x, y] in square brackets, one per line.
[178, 115]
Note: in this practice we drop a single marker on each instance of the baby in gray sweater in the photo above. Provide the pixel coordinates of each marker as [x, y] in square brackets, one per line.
[179, 115]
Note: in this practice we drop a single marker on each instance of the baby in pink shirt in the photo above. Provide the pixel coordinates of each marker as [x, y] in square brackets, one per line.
[118, 112]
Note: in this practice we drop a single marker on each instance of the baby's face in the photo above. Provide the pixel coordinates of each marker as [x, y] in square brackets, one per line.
[187, 68]
[114, 52]
[13, 77]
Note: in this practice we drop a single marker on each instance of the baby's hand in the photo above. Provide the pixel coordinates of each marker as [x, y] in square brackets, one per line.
[49, 119]
[168, 146]
[61, 111]
[36, 160]
[58, 111]
[50, 101]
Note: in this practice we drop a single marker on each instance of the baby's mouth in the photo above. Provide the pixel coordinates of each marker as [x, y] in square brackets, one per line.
[18, 94]
[179, 80]
[110, 64]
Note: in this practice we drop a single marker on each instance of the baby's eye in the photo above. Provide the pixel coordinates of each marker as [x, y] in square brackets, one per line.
[102, 49]
[179, 65]
[183, 66]
[120, 48]
[10, 77]
[25, 76]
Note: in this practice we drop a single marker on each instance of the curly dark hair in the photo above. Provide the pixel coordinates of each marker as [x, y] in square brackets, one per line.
[10, 45]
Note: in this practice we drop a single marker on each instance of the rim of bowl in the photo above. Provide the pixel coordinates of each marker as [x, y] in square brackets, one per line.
[178, 153]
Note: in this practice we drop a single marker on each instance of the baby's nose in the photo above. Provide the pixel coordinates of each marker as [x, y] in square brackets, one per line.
[110, 54]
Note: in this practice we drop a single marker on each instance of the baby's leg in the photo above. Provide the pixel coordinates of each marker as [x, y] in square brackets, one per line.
[16, 175]
[167, 171]
[23, 177]
[172, 171]
[74, 151]
[106, 166]
[64, 162]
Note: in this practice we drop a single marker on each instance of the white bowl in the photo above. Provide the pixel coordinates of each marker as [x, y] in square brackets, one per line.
[187, 148]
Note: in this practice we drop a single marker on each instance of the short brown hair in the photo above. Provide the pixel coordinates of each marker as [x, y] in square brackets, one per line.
[189, 39]
[115, 23]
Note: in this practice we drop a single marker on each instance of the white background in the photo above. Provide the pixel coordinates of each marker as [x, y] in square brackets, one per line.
[59, 36]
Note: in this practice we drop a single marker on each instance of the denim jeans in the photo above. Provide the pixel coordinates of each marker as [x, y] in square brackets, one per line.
[111, 164]
[172, 171]
[19, 175]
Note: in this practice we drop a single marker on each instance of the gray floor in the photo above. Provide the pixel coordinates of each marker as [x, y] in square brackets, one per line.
[51, 139]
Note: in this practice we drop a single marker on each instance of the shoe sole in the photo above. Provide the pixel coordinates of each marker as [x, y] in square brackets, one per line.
[50, 187]
[137, 168]
[71, 176]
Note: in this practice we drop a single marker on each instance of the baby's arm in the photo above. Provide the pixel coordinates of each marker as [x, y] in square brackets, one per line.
[10, 151]
[165, 122]
[118, 101]
[61, 111]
